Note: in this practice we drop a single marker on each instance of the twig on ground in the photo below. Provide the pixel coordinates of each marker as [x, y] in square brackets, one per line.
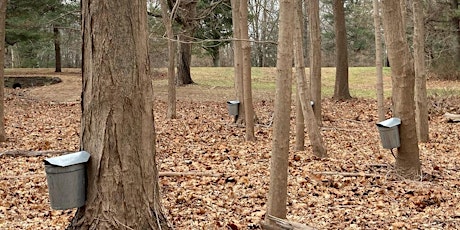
[28, 153]
[348, 174]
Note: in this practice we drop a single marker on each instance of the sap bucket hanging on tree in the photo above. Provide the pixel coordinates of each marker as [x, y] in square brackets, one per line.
[66, 177]
[389, 133]
[233, 107]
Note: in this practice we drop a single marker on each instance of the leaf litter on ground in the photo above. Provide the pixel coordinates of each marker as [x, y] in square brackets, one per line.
[355, 188]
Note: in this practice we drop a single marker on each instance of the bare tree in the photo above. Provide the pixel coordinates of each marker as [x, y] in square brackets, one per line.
[3, 4]
[167, 21]
[57, 50]
[238, 59]
[378, 60]
[315, 57]
[314, 131]
[277, 195]
[299, 124]
[341, 90]
[247, 88]
[403, 81]
[117, 125]
[421, 111]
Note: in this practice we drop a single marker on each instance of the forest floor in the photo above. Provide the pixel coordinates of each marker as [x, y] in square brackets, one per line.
[355, 188]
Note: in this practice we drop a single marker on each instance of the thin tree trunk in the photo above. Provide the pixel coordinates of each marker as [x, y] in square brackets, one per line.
[3, 4]
[315, 57]
[277, 195]
[403, 81]
[57, 49]
[167, 21]
[314, 132]
[341, 90]
[247, 86]
[378, 60]
[117, 125]
[456, 26]
[299, 123]
[238, 59]
[421, 102]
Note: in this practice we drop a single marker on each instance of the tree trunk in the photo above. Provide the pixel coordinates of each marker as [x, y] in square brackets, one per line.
[167, 21]
[277, 195]
[238, 59]
[57, 49]
[314, 131]
[3, 4]
[403, 81]
[315, 57]
[378, 60]
[247, 86]
[299, 123]
[117, 119]
[185, 59]
[456, 26]
[187, 20]
[341, 90]
[421, 111]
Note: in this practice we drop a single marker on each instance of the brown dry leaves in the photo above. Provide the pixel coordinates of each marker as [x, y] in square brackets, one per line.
[203, 139]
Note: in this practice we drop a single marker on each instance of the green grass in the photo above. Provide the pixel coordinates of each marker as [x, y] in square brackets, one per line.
[361, 79]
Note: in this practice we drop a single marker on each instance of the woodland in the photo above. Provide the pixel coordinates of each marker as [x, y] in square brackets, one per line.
[168, 151]
[355, 188]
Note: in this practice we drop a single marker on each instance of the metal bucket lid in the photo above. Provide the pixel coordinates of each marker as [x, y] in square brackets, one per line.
[388, 123]
[68, 159]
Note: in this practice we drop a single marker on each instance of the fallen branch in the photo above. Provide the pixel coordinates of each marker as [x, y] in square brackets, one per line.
[28, 153]
[190, 173]
[284, 224]
[452, 117]
[162, 174]
[348, 174]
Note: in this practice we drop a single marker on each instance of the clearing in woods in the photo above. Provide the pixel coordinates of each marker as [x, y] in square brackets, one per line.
[354, 188]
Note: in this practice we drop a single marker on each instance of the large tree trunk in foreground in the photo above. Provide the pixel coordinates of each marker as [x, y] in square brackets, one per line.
[314, 131]
[403, 79]
[117, 119]
[315, 57]
[378, 60]
[421, 102]
[277, 195]
[2, 63]
[341, 90]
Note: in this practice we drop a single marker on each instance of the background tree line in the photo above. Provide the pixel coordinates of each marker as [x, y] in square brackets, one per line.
[32, 29]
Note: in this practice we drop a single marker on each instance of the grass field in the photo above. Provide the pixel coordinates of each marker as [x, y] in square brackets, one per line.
[362, 81]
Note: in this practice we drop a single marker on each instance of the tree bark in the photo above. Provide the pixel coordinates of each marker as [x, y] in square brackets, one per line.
[3, 4]
[403, 81]
[247, 86]
[167, 21]
[314, 132]
[378, 60]
[187, 21]
[277, 195]
[341, 90]
[57, 50]
[238, 59]
[421, 111]
[299, 123]
[456, 25]
[315, 57]
[184, 76]
[117, 119]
